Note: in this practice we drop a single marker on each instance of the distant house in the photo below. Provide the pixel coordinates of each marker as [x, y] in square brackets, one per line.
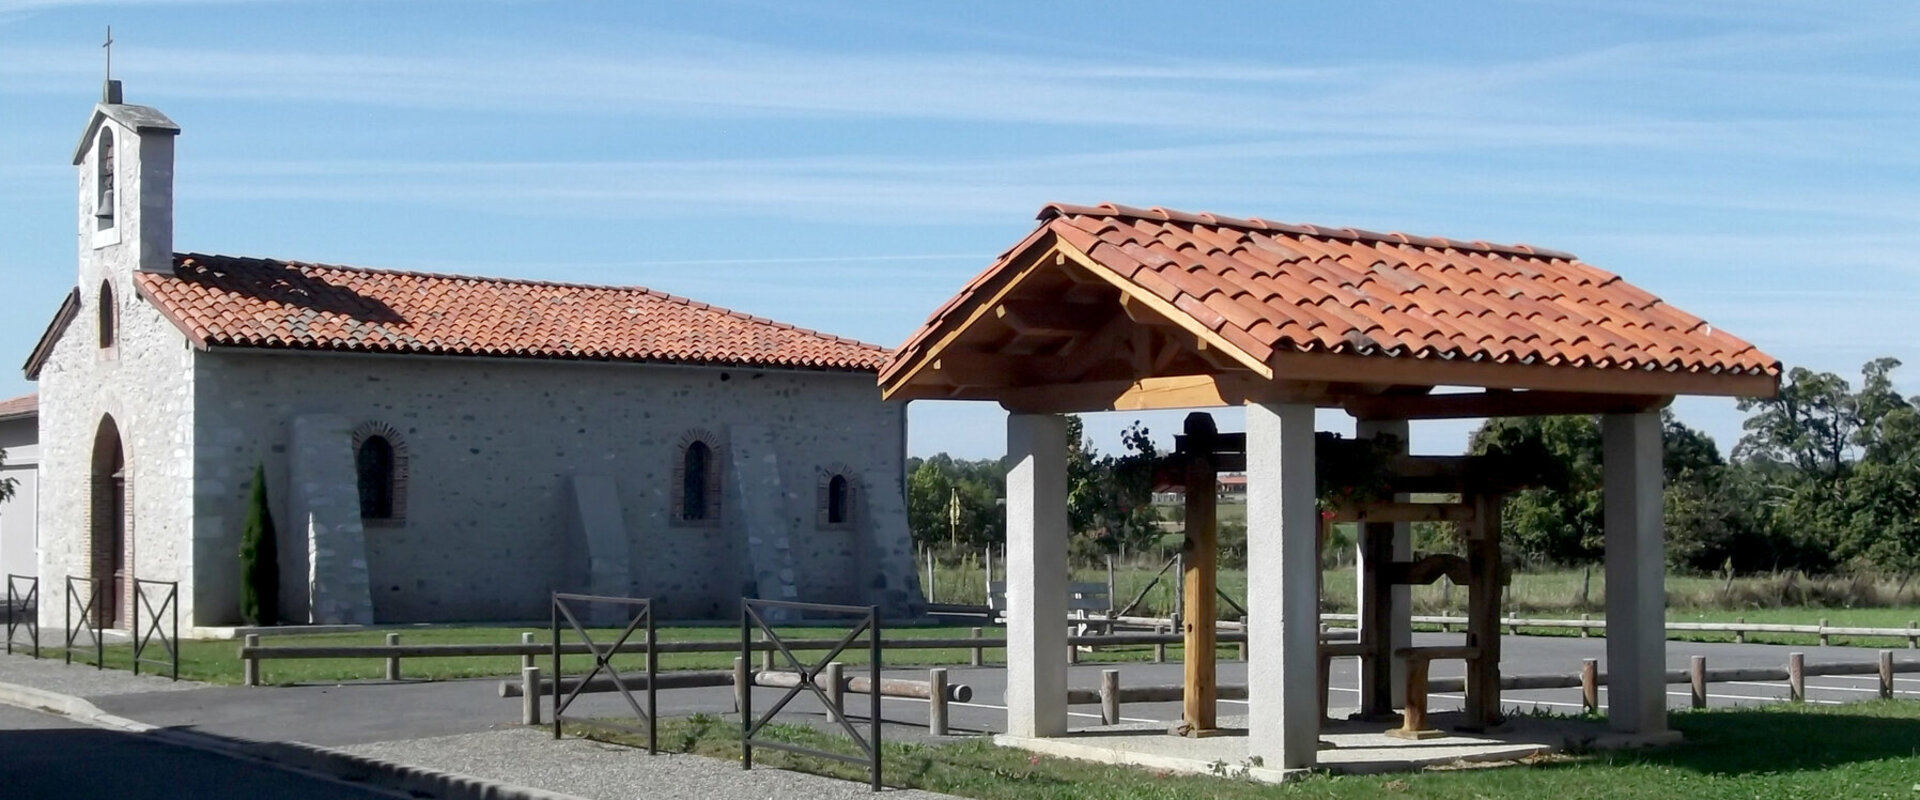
[19, 517]
[1233, 485]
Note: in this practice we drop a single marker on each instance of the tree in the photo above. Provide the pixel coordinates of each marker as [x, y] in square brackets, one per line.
[935, 485]
[259, 558]
[6, 484]
[1110, 498]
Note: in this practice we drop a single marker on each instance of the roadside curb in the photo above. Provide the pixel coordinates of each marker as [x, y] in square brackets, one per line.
[403, 780]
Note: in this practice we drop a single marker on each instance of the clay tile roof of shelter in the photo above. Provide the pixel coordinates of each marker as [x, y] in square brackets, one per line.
[1271, 288]
[248, 302]
[20, 406]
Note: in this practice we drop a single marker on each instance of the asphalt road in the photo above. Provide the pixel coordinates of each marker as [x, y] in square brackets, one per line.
[360, 713]
[49, 757]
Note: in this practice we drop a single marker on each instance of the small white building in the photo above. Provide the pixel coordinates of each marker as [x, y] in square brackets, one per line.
[20, 463]
[439, 447]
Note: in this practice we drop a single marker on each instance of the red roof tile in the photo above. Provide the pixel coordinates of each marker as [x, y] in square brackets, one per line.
[248, 302]
[20, 406]
[1301, 288]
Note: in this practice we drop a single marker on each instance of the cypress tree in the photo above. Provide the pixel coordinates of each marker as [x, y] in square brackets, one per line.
[259, 558]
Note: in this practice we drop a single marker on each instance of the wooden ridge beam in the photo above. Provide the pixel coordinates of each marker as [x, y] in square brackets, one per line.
[1179, 391]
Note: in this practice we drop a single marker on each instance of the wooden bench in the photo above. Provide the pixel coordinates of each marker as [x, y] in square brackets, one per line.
[1413, 722]
[1084, 600]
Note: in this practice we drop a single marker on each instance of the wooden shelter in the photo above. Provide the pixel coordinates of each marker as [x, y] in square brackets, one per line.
[1113, 308]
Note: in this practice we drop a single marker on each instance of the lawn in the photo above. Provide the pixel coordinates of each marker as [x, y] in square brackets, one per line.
[217, 661]
[1859, 750]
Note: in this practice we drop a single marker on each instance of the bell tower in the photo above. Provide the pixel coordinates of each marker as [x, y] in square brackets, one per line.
[125, 166]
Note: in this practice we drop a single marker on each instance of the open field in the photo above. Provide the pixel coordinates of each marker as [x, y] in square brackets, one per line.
[1861, 749]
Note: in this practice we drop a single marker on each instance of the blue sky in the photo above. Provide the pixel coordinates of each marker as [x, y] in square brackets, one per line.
[848, 167]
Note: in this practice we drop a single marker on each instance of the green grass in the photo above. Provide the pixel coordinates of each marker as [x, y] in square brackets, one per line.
[1861, 750]
[217, 661]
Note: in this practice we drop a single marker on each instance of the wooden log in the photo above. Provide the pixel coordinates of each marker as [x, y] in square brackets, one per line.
[393, 661]
[1590, 685]
[1697, 672]
[529, 695]
[1797, 677]
[889, 687]
[977, 654]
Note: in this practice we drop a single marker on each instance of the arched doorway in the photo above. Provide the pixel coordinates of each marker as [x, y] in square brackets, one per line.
[109, 566]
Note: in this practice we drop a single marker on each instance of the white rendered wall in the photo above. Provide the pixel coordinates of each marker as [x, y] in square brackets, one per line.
[19, 545]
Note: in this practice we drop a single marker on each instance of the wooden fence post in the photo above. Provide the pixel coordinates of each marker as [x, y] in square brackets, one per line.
[1512, 629]
[526, 659]
[837, 688]
[1159, 648]
[742, 683]
[937, 701]
[1740, 633]
[1584, 630]
[1913, 634]
[1886, 674]
[529, 695]
[1823, 631]
[1244, 635]
[393, 662]
[250, 666]
[1109, 697]
[1697, 675]
[979, 656]
[766, 654]
[1590, 685]
[1797, 677]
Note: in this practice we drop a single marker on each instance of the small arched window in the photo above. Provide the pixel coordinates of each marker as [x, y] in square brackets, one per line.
[103, 196]
[837, 499]
[374, 463]
[696, 482]
[108, 315]
[380, 462]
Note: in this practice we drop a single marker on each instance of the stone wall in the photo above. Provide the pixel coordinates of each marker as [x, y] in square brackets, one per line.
[494, 445]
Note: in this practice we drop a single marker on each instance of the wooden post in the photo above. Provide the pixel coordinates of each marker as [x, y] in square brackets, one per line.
[766, 654]
[526, 659]
[1697, 676]
[979, 656]
[1109, 697]
[1243, 638]
[1797, 677]
[1483, 614]
[1590, 685]
[1886, 674]
[250, 666]
[1913, 634]
[988, 585]
[837, 686]
[1740, 633]
[1159, 648]
[1111, 588]
[742, 683]
[1584, 631]
[1512, 628]
[936, 701]
[393, 662]
[1199, 552]
[1823, 631]
[1073, 654]
[530, 695]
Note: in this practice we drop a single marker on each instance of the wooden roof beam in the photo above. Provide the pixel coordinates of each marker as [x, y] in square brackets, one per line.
[1036, 318]
[1179, 391]
[1493, 375]
[1499, 403]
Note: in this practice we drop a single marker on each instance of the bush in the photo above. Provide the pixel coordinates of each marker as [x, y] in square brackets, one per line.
[259, 558]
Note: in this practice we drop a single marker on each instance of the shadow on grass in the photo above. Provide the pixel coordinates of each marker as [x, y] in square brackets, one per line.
[1787, 738]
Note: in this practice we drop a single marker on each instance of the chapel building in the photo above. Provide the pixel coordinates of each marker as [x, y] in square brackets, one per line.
[439, 447]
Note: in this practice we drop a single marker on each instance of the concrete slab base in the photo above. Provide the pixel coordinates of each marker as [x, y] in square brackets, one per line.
[1357, 747]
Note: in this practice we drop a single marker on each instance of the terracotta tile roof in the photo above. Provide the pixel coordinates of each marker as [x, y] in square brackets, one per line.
[248, 302]
[20, 406]
[1270, 287]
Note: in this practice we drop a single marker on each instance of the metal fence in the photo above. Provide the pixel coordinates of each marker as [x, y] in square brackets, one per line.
[867, 622]
[23, 611]
[163, 623]
[638, 613]
[86, 602]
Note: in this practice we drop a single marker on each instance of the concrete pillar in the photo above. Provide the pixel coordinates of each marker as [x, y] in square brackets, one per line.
[1036, 575]
[1636, 573]
[1282, 587]
[1383, 678]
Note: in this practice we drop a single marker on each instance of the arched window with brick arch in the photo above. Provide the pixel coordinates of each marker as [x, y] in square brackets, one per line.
[837, 492]
[380, 464]
[696, 481]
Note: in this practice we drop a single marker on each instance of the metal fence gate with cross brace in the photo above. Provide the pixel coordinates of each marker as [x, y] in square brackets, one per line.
[868, 622]
[637, 617]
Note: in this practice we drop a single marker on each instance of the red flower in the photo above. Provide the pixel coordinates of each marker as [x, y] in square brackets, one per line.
[1327, 514]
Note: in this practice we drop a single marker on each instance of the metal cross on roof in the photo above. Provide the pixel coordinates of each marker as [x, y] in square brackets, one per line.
[108, 46]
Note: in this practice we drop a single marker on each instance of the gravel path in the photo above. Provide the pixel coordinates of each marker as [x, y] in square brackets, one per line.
[591, 769]
[55, 675]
